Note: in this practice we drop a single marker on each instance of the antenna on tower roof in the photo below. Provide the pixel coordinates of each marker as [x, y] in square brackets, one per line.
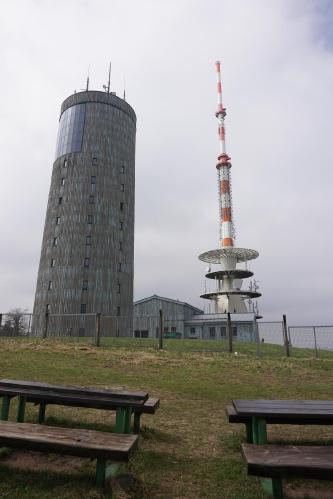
[87, 86]
[124, 88]
[107, 87]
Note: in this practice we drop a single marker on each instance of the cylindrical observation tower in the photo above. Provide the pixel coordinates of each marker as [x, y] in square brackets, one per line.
[86, 263]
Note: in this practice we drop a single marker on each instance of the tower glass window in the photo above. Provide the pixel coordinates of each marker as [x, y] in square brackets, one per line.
[70, 135]
[83, 308]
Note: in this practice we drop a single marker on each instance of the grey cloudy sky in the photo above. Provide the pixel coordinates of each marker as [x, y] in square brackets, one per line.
[277, 65]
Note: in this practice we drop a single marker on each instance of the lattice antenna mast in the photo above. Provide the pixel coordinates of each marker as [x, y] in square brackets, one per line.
[227, 232]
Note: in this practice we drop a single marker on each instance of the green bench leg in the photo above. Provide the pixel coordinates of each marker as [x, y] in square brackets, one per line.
[277, 488]
[249, 433]
[123, 420]
[41, 412]
[100, 473]
[136, 423]
[5, 408]
[21, 409]
[259, 435]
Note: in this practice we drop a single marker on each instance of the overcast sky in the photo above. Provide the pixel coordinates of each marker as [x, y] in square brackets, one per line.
[277, 70]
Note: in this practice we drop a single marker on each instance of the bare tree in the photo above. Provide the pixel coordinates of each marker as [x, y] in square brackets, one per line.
[16, 321]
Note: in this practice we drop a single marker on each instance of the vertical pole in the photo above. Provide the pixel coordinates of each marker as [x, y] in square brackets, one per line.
[285, 335]
[0, 320]
[98, 330]
[30, 315]
[256, 333]
[315, 340]
[46, 325]
[229, 330]
[160, 337]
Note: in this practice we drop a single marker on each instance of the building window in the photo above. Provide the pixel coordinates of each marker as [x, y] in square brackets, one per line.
[137, 333]
[88, 240]
[192, 330]
[121, 223]
[212, 332]
[90, 219]
[94, 158]
[58, 221]
[122, 187]
[118, 287]
[86, 262]
[122, 169]
[93, 179]
[52, 262]
[47, 308]
[62, 183]
[55, 241]
[118, 311]
[223, 331]
[173, 329]
[83, 308]
[119, 267]
[50, 285]
[144, 333]
[234, 331]
[92, 199]
[60, 200]
[120, 245]
[121, 206]
[84, 285]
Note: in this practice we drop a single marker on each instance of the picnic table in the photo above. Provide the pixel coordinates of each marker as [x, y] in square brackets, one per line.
[281, 461]
[124, 402]
[298, 412]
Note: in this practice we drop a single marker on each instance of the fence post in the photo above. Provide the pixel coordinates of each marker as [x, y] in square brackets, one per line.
[285, 335]
[30, 315]
[160, 336]
[98, 330]
[315, 340]
[0, 320]
[229, 332]
[46, 324]
[256, 333]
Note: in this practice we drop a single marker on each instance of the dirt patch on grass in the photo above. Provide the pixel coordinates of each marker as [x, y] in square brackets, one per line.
[38, 461]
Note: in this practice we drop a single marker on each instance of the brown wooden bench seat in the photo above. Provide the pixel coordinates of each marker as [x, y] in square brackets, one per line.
[288, 461]
[84, 443]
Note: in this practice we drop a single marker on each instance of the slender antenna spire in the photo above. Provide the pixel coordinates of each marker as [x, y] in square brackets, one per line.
[107, 87]
[87, 86]
[124, 88]
[227, 232]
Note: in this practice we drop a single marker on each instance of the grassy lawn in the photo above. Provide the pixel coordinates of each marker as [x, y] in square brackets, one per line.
[187, 449]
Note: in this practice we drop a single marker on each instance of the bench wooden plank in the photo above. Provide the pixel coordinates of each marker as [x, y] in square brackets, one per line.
[282, 461]
[320, 409]
[76, 442]
[149, 407]
[82, 390]
[71, 399]
[234, 417]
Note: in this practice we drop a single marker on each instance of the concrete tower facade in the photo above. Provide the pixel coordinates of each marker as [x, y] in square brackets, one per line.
[87, 255]
[227, 295]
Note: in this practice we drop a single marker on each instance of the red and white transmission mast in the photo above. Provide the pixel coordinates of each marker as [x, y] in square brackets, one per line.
[227, 295]
[223, 167]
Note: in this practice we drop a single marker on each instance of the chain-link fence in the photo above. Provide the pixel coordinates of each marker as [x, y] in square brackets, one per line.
[210, 333]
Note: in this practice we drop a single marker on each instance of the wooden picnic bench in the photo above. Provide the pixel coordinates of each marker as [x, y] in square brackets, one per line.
[84, 443]
[124, 402]
[256, 414]
[288, 461]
